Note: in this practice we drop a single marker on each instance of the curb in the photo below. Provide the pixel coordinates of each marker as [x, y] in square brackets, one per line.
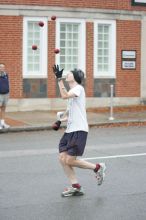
[119, 124]
[26, 128]
[91, 125]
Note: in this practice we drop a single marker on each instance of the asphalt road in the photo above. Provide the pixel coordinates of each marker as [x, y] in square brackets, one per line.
[31, 178]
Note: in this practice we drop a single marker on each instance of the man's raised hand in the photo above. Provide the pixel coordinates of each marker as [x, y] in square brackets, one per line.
[58, 73]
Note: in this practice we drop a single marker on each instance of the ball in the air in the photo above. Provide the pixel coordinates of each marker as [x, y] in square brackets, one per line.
[56, 50]
[41, 23]
[53, 18]
[34, 47]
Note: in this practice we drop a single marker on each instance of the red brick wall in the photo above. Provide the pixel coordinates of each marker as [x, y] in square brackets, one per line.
[11, 51]
[128, 38]
[89, 59]
[51, 59]
[107, 4]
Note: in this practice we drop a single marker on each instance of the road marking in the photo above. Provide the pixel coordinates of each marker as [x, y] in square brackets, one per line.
[32, 152]
[115, 156]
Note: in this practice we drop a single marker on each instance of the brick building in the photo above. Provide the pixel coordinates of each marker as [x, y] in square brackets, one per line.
[105, 38]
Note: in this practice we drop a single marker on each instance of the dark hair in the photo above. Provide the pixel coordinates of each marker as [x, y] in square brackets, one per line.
[78, 75]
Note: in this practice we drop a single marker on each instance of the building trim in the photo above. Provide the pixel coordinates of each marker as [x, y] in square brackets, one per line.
[31, 104]
[69, 12]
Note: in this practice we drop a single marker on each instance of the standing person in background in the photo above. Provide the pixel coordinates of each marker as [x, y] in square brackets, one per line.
[4, 95]
[73, 142]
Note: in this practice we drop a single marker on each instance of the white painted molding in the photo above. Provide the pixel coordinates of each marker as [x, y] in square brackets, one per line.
[70, 12]
[15, 105]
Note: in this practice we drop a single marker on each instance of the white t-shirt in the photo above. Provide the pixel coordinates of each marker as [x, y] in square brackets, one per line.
[77, 118]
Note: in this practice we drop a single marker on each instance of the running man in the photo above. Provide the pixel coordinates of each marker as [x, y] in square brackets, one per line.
[73, 142]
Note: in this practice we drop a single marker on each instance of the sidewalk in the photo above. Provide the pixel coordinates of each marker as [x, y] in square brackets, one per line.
[42, 120]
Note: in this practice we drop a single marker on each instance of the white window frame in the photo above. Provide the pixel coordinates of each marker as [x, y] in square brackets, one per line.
[82, 43]
[112, 72]
[44, 45]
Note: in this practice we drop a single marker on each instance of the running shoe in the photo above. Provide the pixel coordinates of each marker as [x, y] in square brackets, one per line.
[100, 175]
[71, 191]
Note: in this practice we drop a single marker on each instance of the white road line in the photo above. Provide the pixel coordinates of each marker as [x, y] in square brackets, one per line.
[38, 152]
[115, 156]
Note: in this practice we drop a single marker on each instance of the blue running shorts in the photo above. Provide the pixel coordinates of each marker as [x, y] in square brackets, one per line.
[73, 143]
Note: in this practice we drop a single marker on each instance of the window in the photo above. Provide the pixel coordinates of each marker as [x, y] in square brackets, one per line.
[70, 38]
[34, 61]
[104, 49]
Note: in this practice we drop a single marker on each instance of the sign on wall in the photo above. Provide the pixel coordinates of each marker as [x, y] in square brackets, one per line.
[139, 2]
[128, 65]
[128, 59]
[128, 54]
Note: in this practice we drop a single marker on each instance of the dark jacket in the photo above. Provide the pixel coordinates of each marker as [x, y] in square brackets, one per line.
[4, 83]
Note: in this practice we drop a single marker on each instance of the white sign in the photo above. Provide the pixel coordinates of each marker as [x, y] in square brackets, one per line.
[127, 54]
[128, 65]
[139, 2]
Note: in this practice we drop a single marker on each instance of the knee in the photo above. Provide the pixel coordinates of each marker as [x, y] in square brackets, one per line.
[62, 159]
[69, 161]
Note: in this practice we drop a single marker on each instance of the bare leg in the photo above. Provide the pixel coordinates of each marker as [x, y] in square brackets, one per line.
[69, 171]
[72, 161]
[2, 115]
